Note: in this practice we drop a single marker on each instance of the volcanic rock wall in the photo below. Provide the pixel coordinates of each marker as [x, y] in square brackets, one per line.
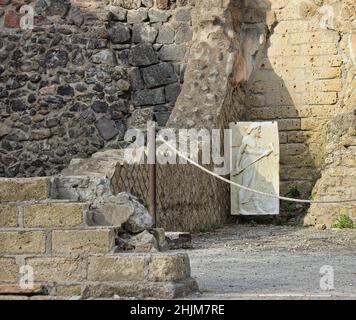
[86, 72]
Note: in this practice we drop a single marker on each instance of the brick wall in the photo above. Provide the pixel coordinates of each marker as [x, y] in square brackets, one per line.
[299, 83]
[70, 258]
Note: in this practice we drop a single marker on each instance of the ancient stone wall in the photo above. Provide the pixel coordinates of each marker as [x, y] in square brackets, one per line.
[63, 254]
[301, 83]
[290, 63]
[86, 72]
[338, 181]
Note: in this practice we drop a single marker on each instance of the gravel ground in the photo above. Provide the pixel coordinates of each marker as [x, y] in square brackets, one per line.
[273, 262]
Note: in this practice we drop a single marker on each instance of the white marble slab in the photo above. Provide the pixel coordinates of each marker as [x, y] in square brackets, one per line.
[255, 164]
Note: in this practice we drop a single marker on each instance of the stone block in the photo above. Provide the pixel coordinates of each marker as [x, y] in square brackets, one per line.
[140, 289]
[92, 240]
[53, 215]
[116, 268]
[173, 267]
[9, 270]
[156, 15]
[149, 97]
[68, 290]
[8, 216]
[25, 189]
[165, 34]
[22, 242]
[142, 55]
[143, 33]
[119, 33]
[54, 269]
[179, 240]
[158, 75]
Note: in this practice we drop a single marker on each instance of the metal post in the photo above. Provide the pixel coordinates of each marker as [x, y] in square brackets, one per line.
[151, 145]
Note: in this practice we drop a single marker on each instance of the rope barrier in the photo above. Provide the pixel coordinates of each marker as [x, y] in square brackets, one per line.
[249, 189]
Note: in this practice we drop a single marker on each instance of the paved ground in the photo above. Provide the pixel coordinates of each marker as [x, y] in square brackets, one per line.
[272, 262]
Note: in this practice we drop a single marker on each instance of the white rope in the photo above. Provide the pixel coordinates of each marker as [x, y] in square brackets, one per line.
[249, 189]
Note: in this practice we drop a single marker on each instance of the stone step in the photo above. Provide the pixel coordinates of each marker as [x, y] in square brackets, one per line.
[24, 189]
[160, 275]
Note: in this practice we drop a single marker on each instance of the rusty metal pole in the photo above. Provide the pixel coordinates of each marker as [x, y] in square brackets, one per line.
[152, 188]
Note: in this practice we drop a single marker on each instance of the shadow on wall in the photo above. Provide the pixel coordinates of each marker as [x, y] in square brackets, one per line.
[270, 96]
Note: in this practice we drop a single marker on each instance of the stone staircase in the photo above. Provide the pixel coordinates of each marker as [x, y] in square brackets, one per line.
[71, 258]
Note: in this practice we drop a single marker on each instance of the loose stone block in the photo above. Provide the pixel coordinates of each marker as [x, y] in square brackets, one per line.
[8, 216]
[22, 242]
[169, 267]
[53, 215]
[82, 241]
[116, 268]
[9, 270]
[26, 189]
[55, 269]
[179, 240]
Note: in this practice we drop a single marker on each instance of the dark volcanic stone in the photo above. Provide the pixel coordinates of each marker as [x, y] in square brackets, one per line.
[99, 106]
[119, 33]
[158, 75]
[56, 58]
[31, 98]
[65, 90]
[107, 128]
[142, 55]
[149, 97]
[18, 105]
[172, 92]
[135, 78]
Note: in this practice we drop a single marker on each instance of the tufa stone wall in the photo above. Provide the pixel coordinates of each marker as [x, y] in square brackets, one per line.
[83, 75]
[299, 83]
[338, 168]
[69, 256]
[277, 62]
